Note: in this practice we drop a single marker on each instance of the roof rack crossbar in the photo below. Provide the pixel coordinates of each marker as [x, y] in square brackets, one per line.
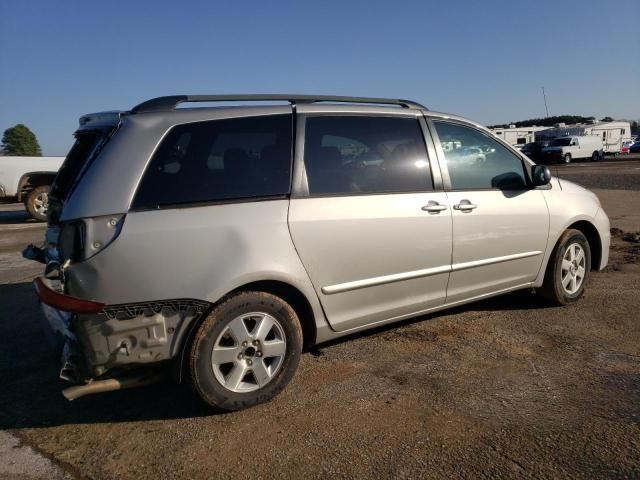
[171, 102]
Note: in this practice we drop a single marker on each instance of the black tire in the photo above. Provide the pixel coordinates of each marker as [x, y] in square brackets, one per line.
[595, 156]
[203, 378]
[552, 288]
[34, 203]
[566, 158]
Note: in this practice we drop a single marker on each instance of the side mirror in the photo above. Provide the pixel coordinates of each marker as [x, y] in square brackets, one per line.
[541, 175]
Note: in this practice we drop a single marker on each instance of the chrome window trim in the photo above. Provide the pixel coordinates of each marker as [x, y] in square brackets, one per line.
[439, 154]
[299, 184]
[434, 162]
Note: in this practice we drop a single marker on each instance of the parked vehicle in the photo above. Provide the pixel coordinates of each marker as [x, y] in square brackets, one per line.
[626, 147]
[27, 180]
[224, 241]
[635, 148]
[533, 150]
[566, 149]
[613, 134]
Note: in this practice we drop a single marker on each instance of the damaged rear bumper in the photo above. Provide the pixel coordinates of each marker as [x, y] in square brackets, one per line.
[60, 325]
[104, 341]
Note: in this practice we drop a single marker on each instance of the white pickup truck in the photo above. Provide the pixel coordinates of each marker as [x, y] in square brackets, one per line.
[27, 180]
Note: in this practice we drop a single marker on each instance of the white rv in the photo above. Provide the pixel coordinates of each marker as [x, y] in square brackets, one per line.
[612, 134]
[518, 136]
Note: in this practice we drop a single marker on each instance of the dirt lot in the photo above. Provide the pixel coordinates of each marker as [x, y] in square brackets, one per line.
[506, 387]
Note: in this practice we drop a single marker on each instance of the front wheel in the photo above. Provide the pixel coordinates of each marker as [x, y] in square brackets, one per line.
[246, 351]
[595, 156]
[567, 158]
[38, 202]
[568, 269]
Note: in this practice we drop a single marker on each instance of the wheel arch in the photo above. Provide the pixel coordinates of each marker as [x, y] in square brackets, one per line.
[294, 297]
[582, 223]
[288, 292]
[30, 180]
[590, 231]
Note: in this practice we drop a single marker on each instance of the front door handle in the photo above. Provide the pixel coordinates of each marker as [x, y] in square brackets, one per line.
[465, 206]
[433, 207]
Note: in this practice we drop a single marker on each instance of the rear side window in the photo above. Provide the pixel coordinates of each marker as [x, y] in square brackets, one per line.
[219, 160]
[362, 155]
[476, 161]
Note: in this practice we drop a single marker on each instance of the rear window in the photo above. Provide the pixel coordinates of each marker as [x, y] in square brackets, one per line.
[84, 148]
[219, 160]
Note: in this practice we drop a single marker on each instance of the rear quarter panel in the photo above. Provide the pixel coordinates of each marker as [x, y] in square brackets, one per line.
[199, 252]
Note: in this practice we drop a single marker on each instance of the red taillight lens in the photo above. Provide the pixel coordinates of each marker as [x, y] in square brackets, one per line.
[66, 303]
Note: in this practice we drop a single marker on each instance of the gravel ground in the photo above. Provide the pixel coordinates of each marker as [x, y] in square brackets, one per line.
[504, 387]
[20, 461]
[621, 173]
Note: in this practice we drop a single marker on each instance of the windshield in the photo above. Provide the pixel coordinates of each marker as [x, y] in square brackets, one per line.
[560, 142]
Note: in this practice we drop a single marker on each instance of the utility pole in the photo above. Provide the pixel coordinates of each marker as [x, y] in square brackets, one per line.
[545, 103]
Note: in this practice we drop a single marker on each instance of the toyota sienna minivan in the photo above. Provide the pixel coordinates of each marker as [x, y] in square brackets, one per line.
[223, 241]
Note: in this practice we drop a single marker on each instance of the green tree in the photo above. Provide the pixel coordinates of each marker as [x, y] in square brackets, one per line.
[20, 141]
[607, 119]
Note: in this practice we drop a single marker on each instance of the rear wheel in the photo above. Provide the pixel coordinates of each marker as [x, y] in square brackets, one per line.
[246, 351]
[595, 156]
[568, 269]
[38, 202]
[566, 158]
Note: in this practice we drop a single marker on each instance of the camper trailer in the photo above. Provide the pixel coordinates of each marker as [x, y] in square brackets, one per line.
[518, 136]
[612, 134]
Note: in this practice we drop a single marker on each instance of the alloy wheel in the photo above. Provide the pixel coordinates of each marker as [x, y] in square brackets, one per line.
[249, 352]
[573, 268]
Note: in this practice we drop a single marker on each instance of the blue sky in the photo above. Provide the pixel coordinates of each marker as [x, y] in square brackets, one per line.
[484, 60]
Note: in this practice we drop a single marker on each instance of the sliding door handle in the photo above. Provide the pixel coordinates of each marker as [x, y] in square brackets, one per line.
[465, 206]
[434, 207]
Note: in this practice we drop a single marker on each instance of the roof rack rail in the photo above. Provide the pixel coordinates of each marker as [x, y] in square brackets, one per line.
[172, 101]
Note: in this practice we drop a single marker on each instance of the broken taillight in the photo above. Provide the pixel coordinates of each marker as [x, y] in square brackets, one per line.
[63, 302]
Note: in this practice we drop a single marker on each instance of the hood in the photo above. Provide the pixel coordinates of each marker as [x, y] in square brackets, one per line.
[575, 189]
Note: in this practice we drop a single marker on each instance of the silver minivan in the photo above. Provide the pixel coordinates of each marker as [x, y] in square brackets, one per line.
[224, 241]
